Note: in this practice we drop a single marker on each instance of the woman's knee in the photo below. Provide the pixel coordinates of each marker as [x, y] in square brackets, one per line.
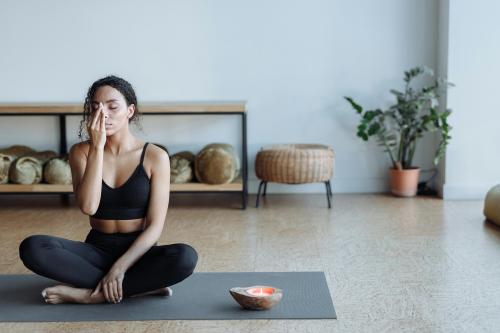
[187, 257]
[30, 247]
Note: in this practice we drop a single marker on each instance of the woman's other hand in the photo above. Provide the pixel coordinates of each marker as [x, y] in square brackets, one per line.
[111, 286]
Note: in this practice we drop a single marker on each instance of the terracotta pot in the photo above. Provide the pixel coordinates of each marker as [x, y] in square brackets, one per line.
[404, 183]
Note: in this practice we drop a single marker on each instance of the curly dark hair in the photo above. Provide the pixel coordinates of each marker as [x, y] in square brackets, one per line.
[123, 86]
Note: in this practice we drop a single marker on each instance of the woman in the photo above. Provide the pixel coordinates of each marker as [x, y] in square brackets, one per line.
[124, 186]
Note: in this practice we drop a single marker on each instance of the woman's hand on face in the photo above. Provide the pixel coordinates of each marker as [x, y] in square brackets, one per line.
[111, 286]
[97, 127]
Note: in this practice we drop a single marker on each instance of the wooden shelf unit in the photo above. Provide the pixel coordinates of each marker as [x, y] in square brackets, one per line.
[239, 185]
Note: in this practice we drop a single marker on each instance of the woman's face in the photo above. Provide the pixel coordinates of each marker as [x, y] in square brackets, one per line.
[115, 107]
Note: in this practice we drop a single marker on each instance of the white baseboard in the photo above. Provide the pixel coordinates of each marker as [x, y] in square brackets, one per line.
[465, 191]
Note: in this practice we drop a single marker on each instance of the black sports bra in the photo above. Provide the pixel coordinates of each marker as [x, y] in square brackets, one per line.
[128, 201]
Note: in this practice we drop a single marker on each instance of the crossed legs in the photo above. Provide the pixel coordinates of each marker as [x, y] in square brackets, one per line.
[81, 266]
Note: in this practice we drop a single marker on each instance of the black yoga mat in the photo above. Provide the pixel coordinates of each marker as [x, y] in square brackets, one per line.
[203, 295]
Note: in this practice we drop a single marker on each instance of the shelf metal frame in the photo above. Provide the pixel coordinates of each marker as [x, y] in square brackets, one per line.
[9, 110]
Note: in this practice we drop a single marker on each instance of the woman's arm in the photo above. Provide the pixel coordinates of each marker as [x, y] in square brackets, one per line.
[86, 172]
[157, 211]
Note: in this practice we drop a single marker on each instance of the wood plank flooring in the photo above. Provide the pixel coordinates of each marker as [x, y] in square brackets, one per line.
[392, 264]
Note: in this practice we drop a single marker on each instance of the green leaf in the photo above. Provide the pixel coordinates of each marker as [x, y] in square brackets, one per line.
[396, 92]
[362, 127]
[374, 128]
[369, 115]
[356, 106]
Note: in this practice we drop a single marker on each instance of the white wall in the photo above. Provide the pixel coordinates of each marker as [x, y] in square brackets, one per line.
[291, 60]
[442, 71]
[473, 158]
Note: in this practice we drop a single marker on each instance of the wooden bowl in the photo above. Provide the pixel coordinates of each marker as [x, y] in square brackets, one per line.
[256, 297]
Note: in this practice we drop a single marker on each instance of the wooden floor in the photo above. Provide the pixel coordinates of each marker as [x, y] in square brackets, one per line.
[392, 264]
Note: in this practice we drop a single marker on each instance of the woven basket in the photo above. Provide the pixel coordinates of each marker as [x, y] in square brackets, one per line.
[295, 163]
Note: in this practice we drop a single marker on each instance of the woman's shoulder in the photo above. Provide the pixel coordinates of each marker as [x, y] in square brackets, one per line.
[80, 148]
[156, 158]
[157, 151]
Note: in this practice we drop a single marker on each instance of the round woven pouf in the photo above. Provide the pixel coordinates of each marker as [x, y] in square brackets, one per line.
[492, 205]
[299, 163]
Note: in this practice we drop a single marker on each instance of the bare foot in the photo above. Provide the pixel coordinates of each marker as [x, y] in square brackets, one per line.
[66, 294]
[165, 291]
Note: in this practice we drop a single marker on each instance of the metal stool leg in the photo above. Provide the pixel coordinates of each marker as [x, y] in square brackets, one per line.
[258, 194]
[328, 195]
[265, 189]
[330, 188]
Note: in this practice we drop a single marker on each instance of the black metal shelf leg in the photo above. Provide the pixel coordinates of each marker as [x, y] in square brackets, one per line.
[63, 149]
[243, 200]
[244, 194]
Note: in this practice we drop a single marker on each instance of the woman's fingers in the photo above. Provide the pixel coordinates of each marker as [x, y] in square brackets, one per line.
[106, 292]
[100, 114]
[120, 290]
[115, 291]
[112, 291]
[103, 121]
[95, 118]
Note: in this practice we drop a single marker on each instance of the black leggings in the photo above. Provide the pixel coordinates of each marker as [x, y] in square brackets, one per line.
[84, 264]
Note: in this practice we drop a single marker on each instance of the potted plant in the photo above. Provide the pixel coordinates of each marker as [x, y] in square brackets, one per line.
[399, 128]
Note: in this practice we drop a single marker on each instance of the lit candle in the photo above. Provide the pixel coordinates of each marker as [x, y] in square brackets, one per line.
[256, 297]
[260, 291]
